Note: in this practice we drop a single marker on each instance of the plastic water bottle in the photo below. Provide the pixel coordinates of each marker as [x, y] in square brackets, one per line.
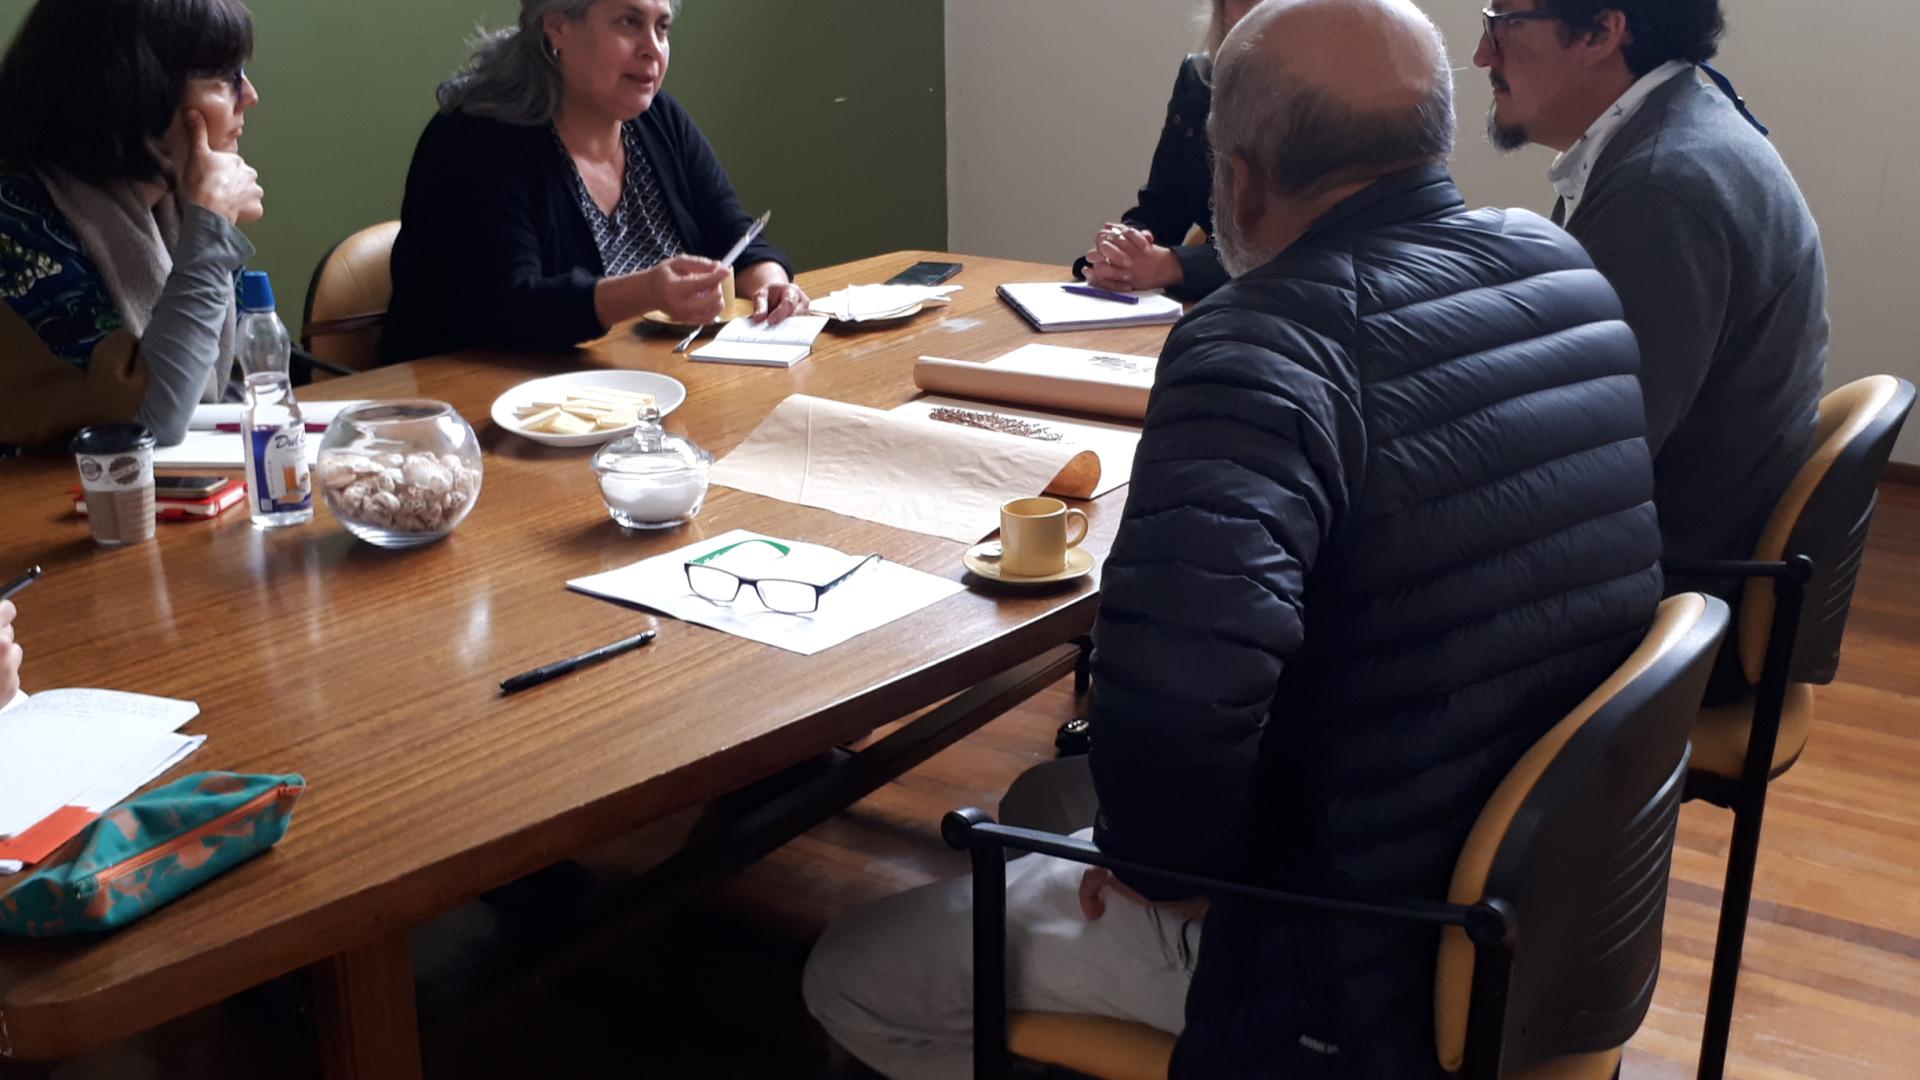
[279, 480]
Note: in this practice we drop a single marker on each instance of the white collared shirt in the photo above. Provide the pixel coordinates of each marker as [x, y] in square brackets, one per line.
[1571, 169]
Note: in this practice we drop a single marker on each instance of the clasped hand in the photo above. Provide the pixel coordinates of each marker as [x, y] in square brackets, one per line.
[1098, 881]
[1126, 259]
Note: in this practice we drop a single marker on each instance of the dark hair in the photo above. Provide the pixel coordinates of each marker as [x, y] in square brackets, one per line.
[1662, 30]
[89, 86]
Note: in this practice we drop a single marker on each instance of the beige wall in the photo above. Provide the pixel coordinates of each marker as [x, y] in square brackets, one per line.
[1053, 109]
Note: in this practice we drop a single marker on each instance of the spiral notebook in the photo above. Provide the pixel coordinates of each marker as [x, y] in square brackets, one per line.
[1049, 306]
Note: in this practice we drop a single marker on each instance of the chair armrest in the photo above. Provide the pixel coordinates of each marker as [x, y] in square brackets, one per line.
[1723, 568]
[974, 830]
[324, 365]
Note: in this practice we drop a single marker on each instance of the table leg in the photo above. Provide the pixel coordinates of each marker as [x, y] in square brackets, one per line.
[364, 1000]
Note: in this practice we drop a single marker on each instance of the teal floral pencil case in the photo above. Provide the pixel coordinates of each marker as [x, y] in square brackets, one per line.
[149, 851]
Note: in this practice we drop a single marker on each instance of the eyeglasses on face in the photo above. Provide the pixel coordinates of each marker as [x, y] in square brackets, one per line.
[1491, 21]
[235, 80]
[786, 596]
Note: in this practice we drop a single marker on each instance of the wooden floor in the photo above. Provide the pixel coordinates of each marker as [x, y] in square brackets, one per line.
[1830, 990]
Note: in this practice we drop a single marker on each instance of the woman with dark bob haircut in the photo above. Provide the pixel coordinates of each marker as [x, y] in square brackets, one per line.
[560, 190]
[121, 189]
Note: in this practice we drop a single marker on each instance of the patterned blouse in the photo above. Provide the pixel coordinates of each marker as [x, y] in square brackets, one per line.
[46, 276]
[640, 232]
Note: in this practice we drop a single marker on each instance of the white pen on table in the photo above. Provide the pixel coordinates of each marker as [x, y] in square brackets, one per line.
[739, 246]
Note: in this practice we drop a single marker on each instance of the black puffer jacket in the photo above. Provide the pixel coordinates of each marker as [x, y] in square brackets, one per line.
[1390, 519]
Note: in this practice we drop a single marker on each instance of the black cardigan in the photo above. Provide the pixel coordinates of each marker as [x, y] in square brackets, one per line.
[1179, 190]
[493, 249]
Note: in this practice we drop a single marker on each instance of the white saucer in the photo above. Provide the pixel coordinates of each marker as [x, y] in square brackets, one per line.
[668, 392]
[1080, 563]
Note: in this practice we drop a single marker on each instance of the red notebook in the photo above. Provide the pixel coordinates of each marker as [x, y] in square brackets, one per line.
[212, 505]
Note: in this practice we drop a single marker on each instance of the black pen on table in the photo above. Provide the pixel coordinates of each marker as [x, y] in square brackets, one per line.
[32, 575]
[573, 663]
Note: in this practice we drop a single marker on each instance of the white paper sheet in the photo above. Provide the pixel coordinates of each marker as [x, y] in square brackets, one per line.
[1114, 443]
[875, 596]
[116, 787]
[317, 414]
[744, 342]
[59, 743]
[216, 450]
[940, 479]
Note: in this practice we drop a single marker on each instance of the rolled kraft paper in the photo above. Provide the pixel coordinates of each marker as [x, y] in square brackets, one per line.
[906, 471]
[1079, 480]
[957, 378]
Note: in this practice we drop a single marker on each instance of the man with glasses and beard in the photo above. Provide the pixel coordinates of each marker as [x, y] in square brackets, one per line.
[1673, 188]
[1390, 518]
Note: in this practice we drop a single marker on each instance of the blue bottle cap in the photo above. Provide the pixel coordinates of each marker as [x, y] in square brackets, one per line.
[256, 292]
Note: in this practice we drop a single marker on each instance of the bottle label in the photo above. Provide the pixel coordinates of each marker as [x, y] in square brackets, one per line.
[282, 480]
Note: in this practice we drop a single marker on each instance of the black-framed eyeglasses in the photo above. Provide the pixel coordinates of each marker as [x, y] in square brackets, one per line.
[1491, 21]
[783, 595]
[235, 80]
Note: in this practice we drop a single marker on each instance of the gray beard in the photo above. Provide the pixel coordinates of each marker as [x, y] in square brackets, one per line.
[1505, 136]
[1239, 255]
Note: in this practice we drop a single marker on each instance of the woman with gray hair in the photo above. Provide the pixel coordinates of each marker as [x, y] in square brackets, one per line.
[1147, 248]
[560, 191]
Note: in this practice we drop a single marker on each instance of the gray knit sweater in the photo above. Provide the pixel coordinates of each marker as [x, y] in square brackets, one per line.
[1695, 220]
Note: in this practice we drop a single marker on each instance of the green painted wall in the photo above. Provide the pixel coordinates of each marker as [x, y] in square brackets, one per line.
[832, 112]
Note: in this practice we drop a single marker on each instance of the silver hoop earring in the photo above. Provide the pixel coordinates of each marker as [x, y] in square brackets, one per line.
[553, 52]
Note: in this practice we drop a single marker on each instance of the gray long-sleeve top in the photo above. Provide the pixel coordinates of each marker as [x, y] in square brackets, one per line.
[182, 344]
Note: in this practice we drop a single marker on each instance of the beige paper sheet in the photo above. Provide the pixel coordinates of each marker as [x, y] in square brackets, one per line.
[900, 470]
[983, 382]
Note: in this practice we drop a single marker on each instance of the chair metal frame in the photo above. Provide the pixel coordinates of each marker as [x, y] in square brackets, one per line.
[1747, 797]
[1831, 524]
[1663, 698]
[1490, 924]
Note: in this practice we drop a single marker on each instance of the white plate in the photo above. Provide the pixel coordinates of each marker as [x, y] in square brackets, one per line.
[668, 393]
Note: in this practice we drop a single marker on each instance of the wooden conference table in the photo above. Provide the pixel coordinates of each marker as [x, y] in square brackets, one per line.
[375, 674]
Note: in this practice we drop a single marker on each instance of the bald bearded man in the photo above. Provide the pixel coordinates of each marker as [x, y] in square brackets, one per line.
[1390, 518]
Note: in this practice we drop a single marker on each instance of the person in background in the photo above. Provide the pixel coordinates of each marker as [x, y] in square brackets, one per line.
[122, 190]
[560, 191]
[1391, 517]
[1690, 213]
[10, 655]
[1147, 248]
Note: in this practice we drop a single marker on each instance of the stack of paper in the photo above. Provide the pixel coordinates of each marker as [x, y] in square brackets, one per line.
[66, 756]
[743, 341]
[867, 303]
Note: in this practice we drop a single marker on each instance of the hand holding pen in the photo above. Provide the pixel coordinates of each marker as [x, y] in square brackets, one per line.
[10, 652]
[733, 253]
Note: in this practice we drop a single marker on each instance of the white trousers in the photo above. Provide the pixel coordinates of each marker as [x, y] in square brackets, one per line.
[893, 983]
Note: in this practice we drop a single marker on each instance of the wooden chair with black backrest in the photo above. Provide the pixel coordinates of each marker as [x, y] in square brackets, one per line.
[1551, 929]
[1792, 616]
[347, 301]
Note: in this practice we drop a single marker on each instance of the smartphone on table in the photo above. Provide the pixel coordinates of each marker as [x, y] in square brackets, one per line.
[925, 273]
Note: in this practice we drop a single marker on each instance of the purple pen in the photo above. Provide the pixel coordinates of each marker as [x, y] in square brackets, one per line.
[1101, 294]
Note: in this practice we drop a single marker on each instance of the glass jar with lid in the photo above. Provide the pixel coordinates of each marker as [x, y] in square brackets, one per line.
[652, 479]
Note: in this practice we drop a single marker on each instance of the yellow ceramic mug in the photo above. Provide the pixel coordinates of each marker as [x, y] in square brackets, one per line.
[1034, 536]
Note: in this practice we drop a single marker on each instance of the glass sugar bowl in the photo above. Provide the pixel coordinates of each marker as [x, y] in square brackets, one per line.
[652, 479]
[399, 474]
